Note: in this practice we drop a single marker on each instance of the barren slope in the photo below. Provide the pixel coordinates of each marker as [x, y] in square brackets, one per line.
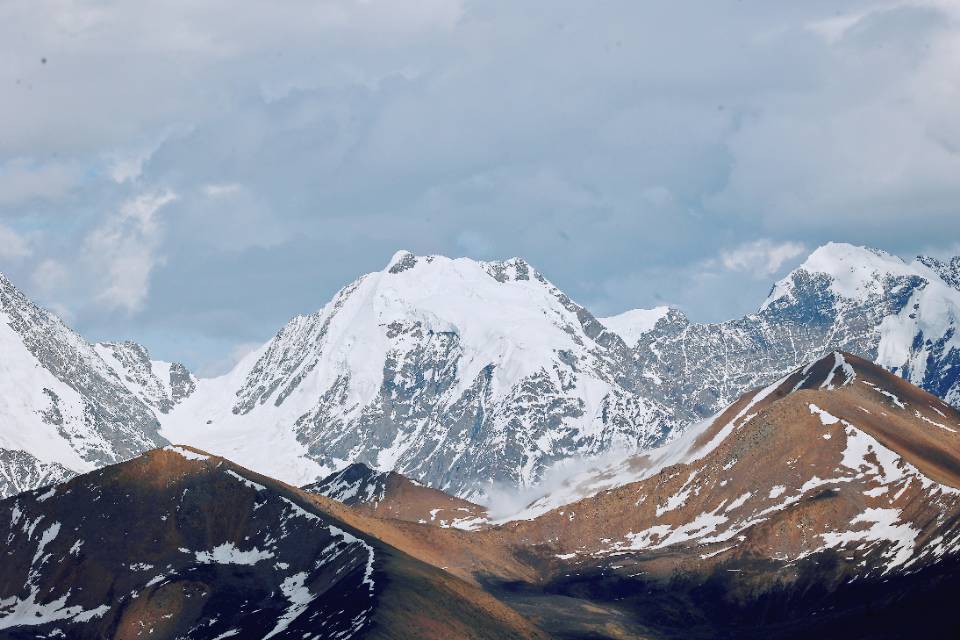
[177, 543]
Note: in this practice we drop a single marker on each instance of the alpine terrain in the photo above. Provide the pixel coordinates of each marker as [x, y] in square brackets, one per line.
[454, 372]
[464, 376]
[905, 317]
[68, 406]
[826, 503]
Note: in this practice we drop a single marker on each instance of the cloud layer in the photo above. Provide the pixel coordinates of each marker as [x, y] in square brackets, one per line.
[191, 175]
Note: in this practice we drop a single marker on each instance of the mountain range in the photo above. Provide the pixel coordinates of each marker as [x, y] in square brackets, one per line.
[464, 376]
[824, 504]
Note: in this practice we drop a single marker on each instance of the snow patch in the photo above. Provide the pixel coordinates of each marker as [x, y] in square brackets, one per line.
[186, 453]
[250, 483]
[227, 553]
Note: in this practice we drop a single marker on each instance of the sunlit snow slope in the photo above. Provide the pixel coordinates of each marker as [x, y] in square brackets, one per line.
[457, 373]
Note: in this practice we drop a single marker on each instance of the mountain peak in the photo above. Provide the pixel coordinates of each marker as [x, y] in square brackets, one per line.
[401, 261]
[835, 257]
[631, 325]
[854, 272]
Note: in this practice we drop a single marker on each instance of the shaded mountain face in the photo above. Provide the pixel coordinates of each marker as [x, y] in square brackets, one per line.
[64, 408]
[902, 316]
[177, 544]
[387, 494]
[455, 372]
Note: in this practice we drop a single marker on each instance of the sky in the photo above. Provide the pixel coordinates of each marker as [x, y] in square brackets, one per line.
[191, 174]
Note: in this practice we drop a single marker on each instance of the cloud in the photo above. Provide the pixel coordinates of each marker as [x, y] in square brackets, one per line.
[13, 246]
[622, 149]
[236, 353]
[125, 249]
[760, 257]
[23, 180]
[49, 276]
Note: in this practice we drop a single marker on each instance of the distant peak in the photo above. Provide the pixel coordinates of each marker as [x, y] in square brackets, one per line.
[827, 256]
[854, 271]
[401, 261]
[631, 325]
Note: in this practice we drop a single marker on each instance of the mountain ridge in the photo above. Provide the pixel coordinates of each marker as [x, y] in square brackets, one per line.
[433, 362]
[834, 486]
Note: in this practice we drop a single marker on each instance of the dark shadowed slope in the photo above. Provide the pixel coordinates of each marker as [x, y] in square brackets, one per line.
[177, 543]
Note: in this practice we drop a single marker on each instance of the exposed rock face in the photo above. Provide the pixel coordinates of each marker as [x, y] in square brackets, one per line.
[903, 316]
[161, 385]
[457, 373]
[20, 471]
[62, 408]
[948, 270]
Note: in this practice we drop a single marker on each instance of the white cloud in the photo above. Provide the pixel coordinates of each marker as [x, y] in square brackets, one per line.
[49, 275]
[221, 366]
[124, 250]
[13, 246]
[760, 257]
[618, 166]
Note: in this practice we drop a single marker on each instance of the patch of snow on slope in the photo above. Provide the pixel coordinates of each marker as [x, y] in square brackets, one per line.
[933, 311]
[227, 553]
[825, 418]
[24, 613]
[295, 590]
[884, 527]
[22, 384]
[186, 453]
[256, 486]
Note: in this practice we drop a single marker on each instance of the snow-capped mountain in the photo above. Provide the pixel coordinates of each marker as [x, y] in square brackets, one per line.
[460, 373]
[904, 316]
[632, 325]
[824, 502]
[63, 408]
[949, 271]
[457, 373]
[834, 486]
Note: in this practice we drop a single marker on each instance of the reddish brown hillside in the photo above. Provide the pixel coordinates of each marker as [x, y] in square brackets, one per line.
[386, 494]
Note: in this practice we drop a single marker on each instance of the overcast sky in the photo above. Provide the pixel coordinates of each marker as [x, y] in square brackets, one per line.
[192, 174]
